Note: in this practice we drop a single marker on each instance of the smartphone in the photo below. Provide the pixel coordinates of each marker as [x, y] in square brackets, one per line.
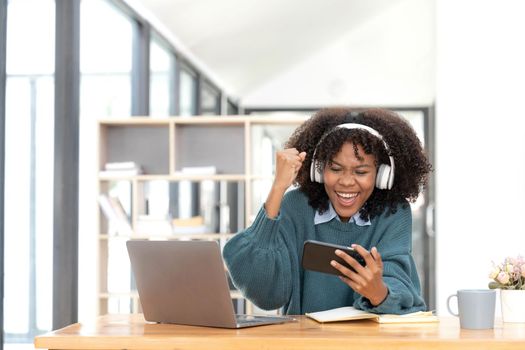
[317, 256]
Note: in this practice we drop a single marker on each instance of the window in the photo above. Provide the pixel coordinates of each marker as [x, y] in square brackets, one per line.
[188, 92]
[161, 71]
[29, 141]
[232, 108]
[105, 60]
[210, 100]
[106, 37]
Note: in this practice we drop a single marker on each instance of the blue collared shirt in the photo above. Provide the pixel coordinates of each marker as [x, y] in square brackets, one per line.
[331, 213]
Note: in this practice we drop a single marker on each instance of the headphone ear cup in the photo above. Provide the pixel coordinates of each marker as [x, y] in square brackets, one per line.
[319, 174]
[379, 176]
[384, 178]
[390, 177]
[315, 174]
[312, 170]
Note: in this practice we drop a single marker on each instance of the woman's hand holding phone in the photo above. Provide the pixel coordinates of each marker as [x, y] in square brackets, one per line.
[318, 255]
[367, 281]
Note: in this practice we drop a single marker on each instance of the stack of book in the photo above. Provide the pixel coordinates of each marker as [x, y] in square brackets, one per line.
[191, 225]
[120, 169]
[154, 225]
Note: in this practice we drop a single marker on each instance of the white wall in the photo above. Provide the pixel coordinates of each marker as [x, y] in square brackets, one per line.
[480, 165]
[387, 60]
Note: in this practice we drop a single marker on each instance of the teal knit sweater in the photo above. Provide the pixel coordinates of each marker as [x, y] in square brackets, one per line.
[265, 260]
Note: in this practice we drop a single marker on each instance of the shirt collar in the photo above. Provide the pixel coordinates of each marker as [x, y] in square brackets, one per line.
[331, 213]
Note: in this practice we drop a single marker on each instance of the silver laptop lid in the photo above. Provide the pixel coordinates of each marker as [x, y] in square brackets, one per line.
[182, 282]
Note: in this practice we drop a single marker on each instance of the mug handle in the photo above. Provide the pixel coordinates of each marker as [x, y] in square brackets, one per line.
[448, 304]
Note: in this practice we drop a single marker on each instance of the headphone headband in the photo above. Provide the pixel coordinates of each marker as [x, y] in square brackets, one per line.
[358, 126]
[374, 132]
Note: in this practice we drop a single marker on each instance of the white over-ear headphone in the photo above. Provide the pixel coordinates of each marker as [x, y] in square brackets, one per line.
[385, 172]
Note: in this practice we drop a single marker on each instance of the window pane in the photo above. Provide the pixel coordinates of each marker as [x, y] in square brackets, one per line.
[160, 91]
[105, 38]
[44, 160]
[232, 109]
[17, 194]
[105, 96]
[29, 205]
[31, 37]
[265, 141]
[210, 101]
[28, 212]
[417, 120]
[105, 60]
[187, 93]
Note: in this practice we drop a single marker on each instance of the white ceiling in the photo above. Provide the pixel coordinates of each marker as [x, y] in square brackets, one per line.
[245, 43]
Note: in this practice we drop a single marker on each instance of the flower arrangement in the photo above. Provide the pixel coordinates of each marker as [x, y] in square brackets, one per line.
[510, 274]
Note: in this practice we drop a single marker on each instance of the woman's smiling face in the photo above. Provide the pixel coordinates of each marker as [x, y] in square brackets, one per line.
[349, 180]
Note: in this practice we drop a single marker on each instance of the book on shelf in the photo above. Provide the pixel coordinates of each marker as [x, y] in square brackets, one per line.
[117, 169]
[115, 214]
[199, 170]
[192, 225]
[120, 173]
[349, 313]
[121, 166]
[156, 225]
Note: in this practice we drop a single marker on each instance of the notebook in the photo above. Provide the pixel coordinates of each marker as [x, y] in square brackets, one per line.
[184, 282]
[349, 313]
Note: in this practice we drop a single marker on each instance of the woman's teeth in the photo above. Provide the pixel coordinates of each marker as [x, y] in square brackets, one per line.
[346, 195]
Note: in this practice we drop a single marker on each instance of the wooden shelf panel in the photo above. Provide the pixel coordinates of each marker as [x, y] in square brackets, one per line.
[132, 295]
[135, 121]
[221, 120]
[176, 177]
[217, 120]
[174, 237]
[277, 120]
[235, 294]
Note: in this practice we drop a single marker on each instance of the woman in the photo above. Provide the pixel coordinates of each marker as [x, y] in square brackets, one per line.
[355, 173]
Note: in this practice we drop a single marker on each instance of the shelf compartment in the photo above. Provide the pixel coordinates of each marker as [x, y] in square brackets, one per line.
[203, 145]
[145, 144]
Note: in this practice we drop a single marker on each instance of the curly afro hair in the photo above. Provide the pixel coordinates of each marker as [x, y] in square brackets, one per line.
[411, 164]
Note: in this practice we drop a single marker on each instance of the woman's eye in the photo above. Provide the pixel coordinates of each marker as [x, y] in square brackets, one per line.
[335, 169]
[361, 172]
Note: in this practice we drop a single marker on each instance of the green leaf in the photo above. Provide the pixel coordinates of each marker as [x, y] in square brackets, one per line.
[494, 285]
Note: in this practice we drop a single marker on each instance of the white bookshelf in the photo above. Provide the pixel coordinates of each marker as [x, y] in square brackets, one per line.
[241, 150]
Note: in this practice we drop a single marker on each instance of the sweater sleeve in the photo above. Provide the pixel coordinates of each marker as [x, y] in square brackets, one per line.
[399, 270]
[259, 260]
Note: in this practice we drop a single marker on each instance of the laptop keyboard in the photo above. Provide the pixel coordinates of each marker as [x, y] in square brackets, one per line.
[250, 319]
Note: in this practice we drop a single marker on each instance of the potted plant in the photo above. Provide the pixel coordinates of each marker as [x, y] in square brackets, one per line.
[509, 277]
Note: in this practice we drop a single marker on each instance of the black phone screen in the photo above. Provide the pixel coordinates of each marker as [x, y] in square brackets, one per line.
[317, 257]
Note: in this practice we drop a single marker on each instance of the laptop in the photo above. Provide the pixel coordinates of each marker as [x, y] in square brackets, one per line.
[184, 282]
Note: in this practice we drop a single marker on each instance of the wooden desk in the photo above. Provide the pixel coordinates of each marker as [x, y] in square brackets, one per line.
[132, 332]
